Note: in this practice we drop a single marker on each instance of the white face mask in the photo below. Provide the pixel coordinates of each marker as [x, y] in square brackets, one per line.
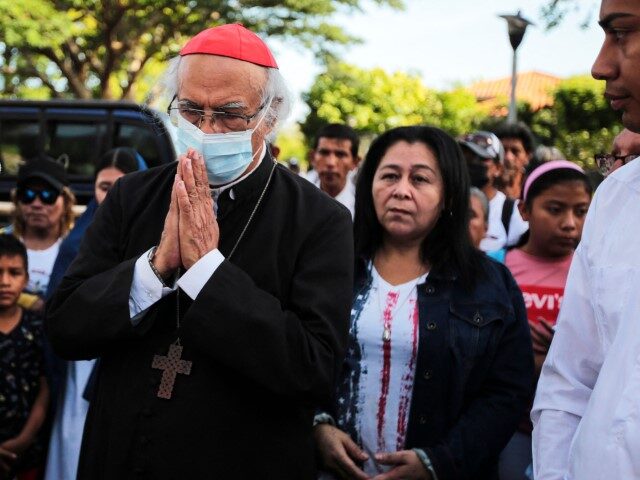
[226, 155]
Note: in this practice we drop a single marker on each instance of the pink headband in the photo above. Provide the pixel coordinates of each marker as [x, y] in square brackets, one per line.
[547, 167]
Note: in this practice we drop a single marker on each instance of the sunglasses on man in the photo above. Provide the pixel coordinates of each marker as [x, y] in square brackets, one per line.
[46, 195]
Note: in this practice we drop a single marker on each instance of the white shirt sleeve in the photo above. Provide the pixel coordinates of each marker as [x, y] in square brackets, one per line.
[146, 289]
[568, 375]
[517, 226]
[200, 272]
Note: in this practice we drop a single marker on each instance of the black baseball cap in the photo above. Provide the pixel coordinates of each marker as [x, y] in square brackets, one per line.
[43, 168]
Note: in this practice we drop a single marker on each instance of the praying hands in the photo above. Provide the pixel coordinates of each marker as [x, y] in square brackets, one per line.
[190, 228]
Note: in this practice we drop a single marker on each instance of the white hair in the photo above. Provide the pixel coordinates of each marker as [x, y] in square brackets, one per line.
[479, 194]
[275, 93]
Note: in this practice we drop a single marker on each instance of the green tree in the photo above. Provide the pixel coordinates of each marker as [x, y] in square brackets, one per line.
[103, 48]
[372, 101]
[585, 123]
[461, 112]
[291, 142]
[580, 123]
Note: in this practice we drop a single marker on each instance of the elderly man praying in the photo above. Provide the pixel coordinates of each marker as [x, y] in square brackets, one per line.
[215, 290]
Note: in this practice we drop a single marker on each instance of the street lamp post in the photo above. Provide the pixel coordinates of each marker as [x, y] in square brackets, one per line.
[517, 25]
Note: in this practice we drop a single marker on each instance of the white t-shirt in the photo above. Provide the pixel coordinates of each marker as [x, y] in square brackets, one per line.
[386, 330]
[347, 197]
[496, 237]
[40, 267]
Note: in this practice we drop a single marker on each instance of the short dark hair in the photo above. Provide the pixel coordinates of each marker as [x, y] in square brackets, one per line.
[517, 130]
[10, 246]
[341, 132]
[123, 158]
[448, 246]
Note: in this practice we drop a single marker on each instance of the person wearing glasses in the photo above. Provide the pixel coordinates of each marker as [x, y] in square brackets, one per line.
[215, 290]
[625, 148]
[42, 217]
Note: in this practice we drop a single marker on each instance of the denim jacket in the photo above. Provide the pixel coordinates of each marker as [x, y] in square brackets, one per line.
[474, 371]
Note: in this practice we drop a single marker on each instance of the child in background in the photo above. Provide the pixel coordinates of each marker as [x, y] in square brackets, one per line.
[555, 200]
[24, 394]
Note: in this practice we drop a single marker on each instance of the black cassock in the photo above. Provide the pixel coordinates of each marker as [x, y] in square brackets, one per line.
[265, 335]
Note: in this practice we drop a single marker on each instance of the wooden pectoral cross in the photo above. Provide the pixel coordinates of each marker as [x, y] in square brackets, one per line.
[172, 365]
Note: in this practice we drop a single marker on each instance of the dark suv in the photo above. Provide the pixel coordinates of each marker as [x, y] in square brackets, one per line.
[81, 129]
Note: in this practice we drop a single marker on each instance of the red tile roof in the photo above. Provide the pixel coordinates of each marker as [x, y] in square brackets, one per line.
[535, 88]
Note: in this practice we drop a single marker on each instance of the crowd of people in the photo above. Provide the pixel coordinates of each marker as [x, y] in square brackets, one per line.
[406, 315]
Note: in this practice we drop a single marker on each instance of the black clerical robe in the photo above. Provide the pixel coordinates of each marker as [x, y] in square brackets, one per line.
[265, 335]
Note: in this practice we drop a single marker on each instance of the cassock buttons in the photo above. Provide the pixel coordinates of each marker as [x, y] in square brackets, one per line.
[232, 194]
[431, 326]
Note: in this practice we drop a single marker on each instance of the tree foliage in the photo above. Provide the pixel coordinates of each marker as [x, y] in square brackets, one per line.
[103, 48]
[290, 141]
[554, 12]
[372, 101]
[580, 123]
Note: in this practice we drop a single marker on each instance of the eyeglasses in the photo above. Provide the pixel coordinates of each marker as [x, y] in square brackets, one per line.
[230, 121]
[46, 196]
[605, 161]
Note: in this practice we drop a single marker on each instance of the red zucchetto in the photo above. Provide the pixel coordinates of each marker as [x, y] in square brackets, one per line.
[233, 41]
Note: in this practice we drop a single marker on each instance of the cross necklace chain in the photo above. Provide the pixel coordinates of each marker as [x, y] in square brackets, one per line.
[172, 364]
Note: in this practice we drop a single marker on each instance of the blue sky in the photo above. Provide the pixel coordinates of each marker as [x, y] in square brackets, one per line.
[449, 42]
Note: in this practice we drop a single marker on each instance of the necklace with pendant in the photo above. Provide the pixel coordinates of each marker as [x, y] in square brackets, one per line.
[391, 306]
[172, 364]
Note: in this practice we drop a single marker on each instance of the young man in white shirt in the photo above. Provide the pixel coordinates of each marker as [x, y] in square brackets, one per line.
[587, 410]
[335, 157]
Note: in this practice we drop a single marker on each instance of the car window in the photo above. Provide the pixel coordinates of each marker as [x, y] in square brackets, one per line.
[18, 141]
[141, 138]
[81, 141]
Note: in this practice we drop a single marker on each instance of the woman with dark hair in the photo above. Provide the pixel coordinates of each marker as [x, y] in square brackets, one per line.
[71, 379]
[439, 365]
